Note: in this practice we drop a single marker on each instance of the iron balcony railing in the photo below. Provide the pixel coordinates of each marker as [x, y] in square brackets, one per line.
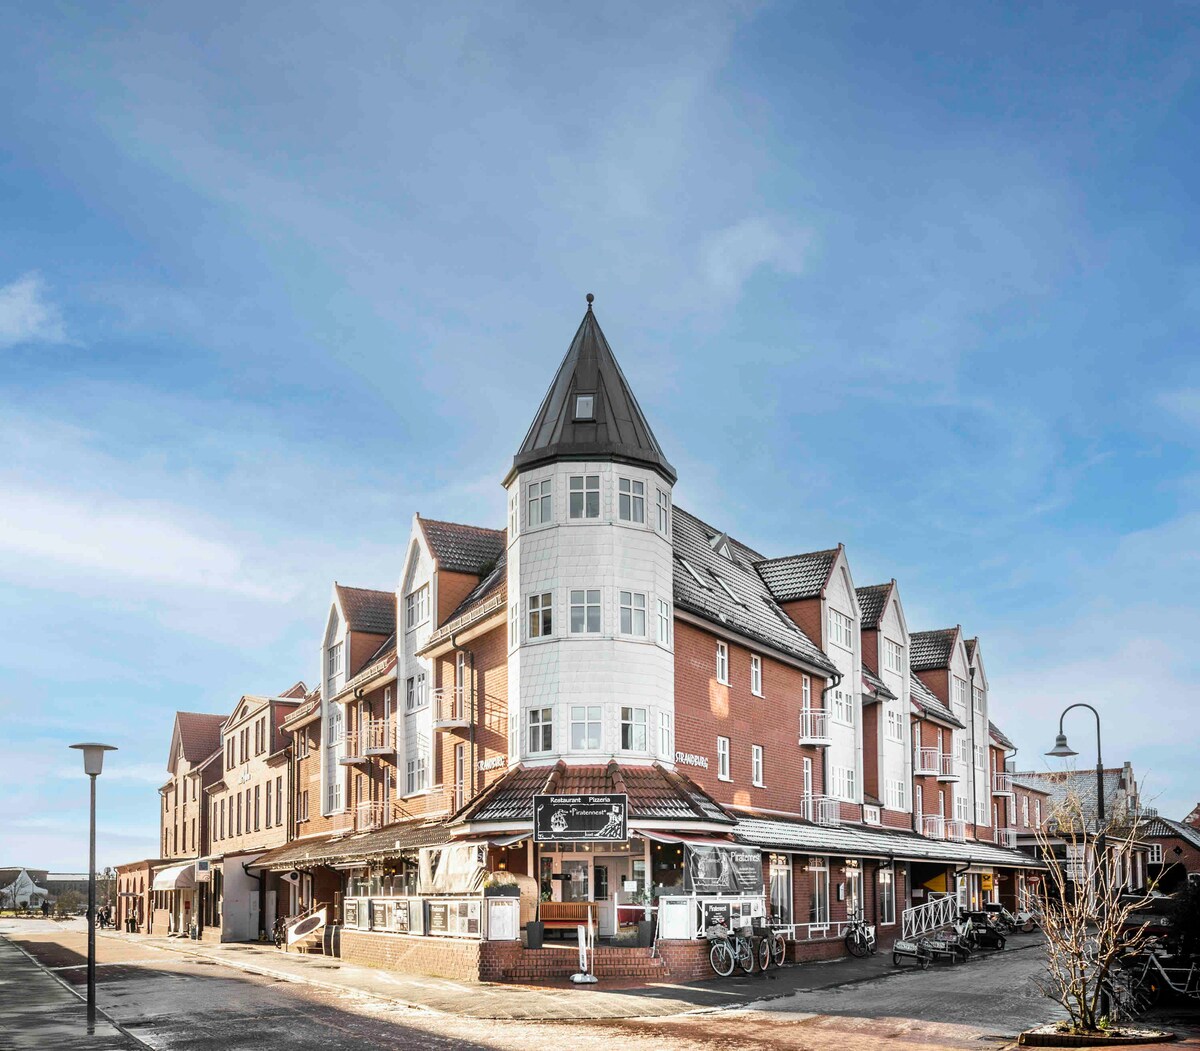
[449, 707]
[824, 810]
[351, 752]
[947, 771]
[933, 826]
[956, 830]
[814, 727]
[379, 736]
[1006, 837]
[1002, 784]
[927, 761]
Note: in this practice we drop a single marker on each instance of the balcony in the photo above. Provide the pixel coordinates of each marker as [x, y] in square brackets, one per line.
[824, 810]
[814, 728]
[933, 826]
[379, 737]
[1002, 785]
[956, 830]
[946, 771]
[1006, 837]
[369, 816]
[449, 708]
[351, 752]
[926, 761]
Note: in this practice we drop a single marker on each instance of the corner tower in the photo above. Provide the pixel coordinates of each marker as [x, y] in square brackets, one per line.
[591, 673]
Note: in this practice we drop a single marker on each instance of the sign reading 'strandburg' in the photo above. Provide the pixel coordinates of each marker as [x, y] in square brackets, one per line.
[581, 819]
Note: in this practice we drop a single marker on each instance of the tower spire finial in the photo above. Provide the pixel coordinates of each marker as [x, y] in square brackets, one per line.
[590, 297]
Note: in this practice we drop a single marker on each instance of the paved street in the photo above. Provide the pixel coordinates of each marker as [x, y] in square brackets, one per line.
[187, 1001]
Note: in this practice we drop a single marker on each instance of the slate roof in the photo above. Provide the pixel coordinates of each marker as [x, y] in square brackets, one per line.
[372, 612]
[999, 736]
[617, 430]
[870, 604]
[858, 841]
[1080, 783]
[1164, 827]
[927, 702]
[931, 649]
[971, 644]
[199, 735]
[463, 548]
[331, 849]
[798, 576]
[655, 793]
[752, 611]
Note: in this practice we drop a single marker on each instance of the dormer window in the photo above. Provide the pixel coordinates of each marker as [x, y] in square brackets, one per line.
[585, 406]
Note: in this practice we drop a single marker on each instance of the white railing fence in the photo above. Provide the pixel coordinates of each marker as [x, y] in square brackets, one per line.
[928, 917]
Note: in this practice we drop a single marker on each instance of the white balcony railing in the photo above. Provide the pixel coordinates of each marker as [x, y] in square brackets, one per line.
[379, 736]
[368, 816]
[926, 761]
[1002, 784]
[956, 830]
[814, 727]
[947, 771]
[933, 826]
[449, 707]
[824, 810]
[351, 752]
[1006, 837]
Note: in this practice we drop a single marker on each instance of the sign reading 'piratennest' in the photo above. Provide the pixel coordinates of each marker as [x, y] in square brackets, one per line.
[581, 819]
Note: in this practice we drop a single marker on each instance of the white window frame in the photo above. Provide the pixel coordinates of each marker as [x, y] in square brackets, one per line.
[416, 607]
[958, 692]
[632, 612]
[333, 661]
[631, 500]
[539, 503]
[843, 706]
[540, 622]
[756, 686]
[722, 669]
[514, 625]
[664, 622]
[806, 692]
[663, 522]
[664, 735]
[588, 719]
[887, 899]
[723, 759]
[841, 629]
[589, 484]
[539, 721]
[756, 765]
[894, 725]
[694, 575]
[582, 599]
[585, 406]
[416, 775]
[1154, 854]
[893, 656]
[635, 727]
[819, 902]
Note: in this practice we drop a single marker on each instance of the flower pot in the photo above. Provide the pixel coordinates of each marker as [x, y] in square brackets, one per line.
[645, 934]
[535, 932]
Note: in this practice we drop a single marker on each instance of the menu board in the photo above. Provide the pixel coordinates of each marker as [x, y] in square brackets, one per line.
[378, 915]
[439, 917]
[400, 916]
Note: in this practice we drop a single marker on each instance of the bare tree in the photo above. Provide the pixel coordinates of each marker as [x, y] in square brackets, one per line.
[1088, 916]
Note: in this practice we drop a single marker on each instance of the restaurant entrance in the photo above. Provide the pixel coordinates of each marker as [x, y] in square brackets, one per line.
[614, 881]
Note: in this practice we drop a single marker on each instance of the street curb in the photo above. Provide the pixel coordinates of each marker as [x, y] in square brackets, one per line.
[77, 994]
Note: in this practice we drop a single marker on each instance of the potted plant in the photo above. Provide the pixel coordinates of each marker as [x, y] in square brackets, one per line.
[500, 884]
[645, 926]
[535, 930]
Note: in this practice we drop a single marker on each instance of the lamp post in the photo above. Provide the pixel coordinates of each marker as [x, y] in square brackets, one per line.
[1062, 750]
[93, 763]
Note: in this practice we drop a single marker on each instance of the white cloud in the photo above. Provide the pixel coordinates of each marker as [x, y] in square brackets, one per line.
[730, 257]
[26, 316]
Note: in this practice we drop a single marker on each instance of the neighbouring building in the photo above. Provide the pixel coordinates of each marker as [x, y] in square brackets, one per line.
[1173, 851]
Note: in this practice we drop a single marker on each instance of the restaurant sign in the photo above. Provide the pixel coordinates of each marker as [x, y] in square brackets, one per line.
[581, 819]
[720, 869]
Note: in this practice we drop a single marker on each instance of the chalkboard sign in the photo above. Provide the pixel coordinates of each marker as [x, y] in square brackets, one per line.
[581, 819]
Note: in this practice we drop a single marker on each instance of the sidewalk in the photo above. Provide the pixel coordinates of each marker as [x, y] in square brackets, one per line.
[557, 1001]
[38, 1012]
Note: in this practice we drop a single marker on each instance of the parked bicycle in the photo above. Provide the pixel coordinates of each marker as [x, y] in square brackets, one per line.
[729, 950]
[860, 938]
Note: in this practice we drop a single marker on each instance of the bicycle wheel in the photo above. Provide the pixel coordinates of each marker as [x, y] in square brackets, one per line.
[778, 950]
[856, 943]
[721, 957]
[745, 955]
[764, 953]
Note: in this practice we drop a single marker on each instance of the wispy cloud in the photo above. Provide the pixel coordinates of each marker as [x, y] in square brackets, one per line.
[27, 316]
[730, 257]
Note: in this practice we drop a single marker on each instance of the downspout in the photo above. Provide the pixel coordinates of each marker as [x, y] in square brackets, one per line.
[833, 685]
[470, 653]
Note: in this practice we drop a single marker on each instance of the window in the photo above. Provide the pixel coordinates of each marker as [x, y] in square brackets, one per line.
[540, 511]
[723, 758]
[805, 692]
[302, 744]
[514, 626]
[541, 619]
[334, 661]
[460, 775]
[694, 575]
[239, 814]
[839, 629]
[585, 496]
[1025, 811]
[980, 761]
[981, 814]
[417, 774]
[977, 697]
[414, 692]
[221, 815]
[756, 764]
[257, 806]
[513, 516]
[279, 814]
[631, 500]
[664, 513]
[229, 754]
[585, 612]
[722, 662]
[756, 675]
[633, 729]
[895, 795]
[958, 695]
[633, 614]
[585, 728]
[844, 782]
[416, 607]
[269, 817]
[585, 406]
[1038, 815]
[1155, 856]
[303, 815]
[818, 868]
[895, 725]
[843, 711]
[541, 730]
[664, 735]
[893, 656]
[887, 897]
[664, 622]
[960, 807]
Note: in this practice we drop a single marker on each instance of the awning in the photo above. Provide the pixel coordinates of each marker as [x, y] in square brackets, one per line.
[178, 877]
[683, 837]
[506, 840]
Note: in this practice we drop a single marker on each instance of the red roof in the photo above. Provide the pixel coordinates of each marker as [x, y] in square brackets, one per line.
[199, 735]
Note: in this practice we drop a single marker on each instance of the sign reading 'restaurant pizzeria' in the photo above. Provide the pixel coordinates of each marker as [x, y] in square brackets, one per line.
[581, 819]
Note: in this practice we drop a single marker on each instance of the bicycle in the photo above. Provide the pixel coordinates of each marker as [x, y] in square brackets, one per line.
[729, 950]
[778, 946]
[860, 939]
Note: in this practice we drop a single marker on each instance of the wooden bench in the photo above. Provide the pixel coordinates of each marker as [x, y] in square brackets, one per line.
[567, 915]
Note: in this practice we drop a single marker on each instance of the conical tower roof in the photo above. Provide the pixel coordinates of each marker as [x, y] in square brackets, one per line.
[608, 427]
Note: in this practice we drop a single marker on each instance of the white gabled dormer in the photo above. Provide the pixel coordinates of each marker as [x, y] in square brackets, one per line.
[416, 603]
[843, 645]
[591, 671]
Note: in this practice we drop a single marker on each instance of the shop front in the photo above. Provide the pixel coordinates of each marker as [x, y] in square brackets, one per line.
[174, 899]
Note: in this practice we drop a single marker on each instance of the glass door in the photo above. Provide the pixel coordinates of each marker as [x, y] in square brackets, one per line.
[577, 888]
[781, 889]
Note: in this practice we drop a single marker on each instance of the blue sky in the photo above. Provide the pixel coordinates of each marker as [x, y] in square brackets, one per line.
[923, 279]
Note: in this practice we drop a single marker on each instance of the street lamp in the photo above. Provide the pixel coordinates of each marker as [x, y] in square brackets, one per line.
[93, 763]
[1062, 750]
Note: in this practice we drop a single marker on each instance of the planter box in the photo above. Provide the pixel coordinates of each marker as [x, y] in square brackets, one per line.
[1044, 1037]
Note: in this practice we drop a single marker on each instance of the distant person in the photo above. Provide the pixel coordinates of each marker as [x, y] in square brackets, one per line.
[45, 909]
